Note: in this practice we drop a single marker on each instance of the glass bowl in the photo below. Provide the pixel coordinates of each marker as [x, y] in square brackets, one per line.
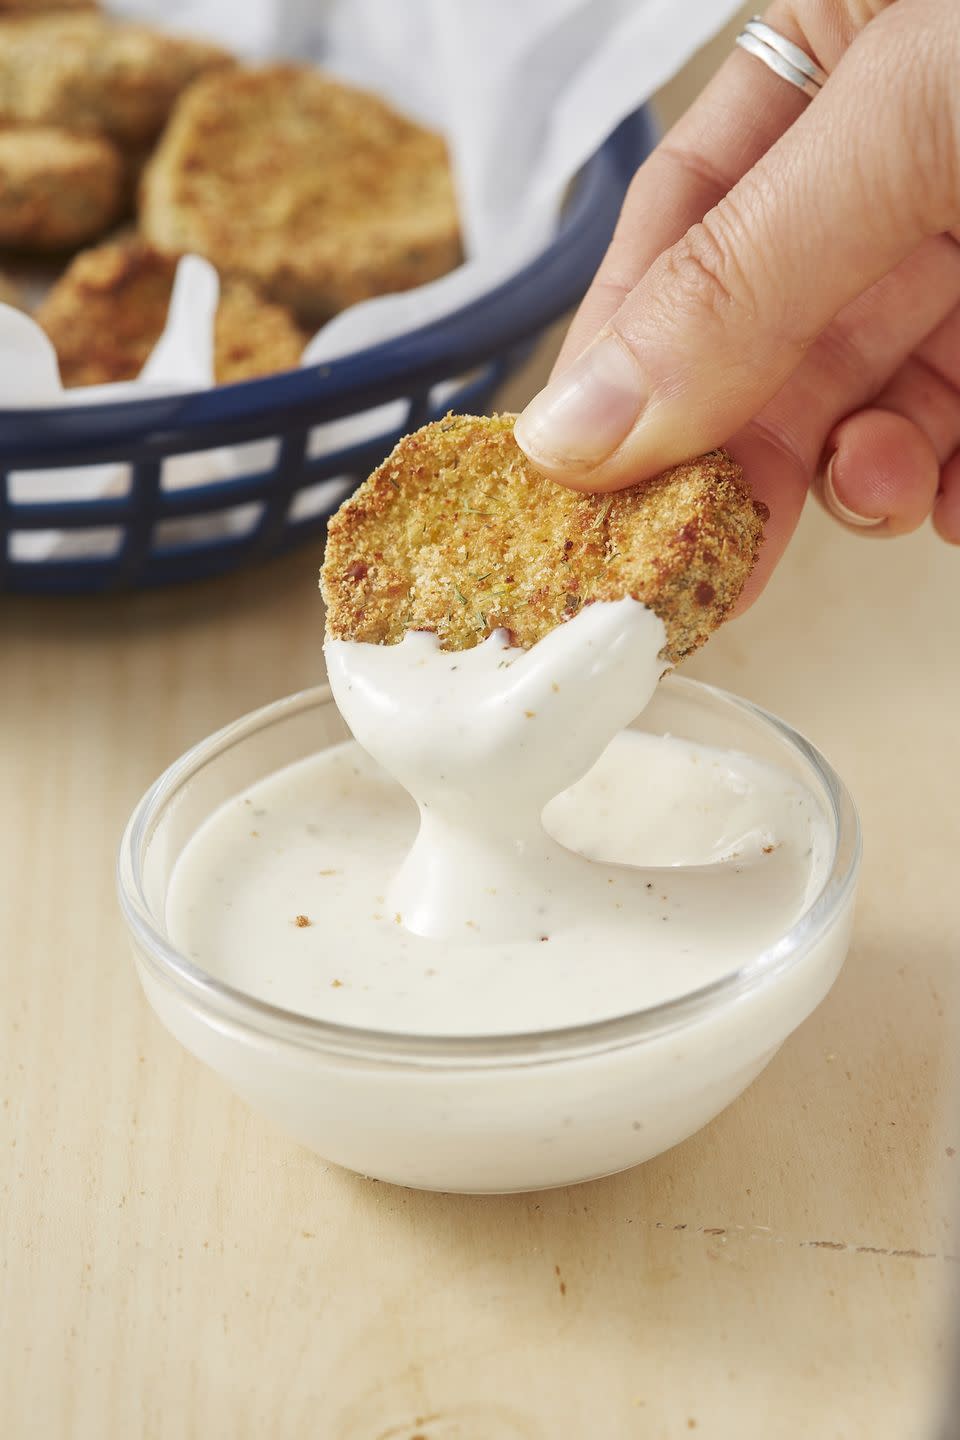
[505, 1112]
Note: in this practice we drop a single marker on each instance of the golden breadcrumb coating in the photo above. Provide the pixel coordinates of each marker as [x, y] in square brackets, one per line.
[457, 533]
[57, 189]
[87, 72]
[321, 194]
[108, 309]
[254, 335]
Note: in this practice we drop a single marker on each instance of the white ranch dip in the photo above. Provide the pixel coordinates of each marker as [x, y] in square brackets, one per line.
[659, 865]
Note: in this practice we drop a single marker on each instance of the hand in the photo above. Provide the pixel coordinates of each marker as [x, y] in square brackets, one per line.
[785, 279]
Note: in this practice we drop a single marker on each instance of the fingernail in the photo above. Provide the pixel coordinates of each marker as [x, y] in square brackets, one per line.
[836, 506]
[584, 413]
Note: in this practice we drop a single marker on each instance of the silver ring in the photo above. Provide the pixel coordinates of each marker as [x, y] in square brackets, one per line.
[782, 56]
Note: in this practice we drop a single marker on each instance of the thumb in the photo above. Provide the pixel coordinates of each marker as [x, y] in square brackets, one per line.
[718, 323]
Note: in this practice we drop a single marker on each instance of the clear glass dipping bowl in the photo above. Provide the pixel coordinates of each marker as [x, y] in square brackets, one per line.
[508, 1112]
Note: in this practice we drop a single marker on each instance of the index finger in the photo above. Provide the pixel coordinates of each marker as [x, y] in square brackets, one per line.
[743, 110]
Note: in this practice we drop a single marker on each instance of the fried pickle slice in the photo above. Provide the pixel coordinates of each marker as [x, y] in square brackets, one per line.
[457, 533]
[321, 194]
[89, 72]
[107, 311]
[57, 189]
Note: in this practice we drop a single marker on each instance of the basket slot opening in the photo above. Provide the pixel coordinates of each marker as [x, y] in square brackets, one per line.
[381, 422]
[253, 457]
[321, 498]
[221, 462]
[447, 394]
[188, 532]
[34, 547]
[73, 482]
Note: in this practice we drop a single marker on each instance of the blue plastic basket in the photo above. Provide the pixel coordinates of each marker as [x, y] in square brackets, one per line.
[138, 538]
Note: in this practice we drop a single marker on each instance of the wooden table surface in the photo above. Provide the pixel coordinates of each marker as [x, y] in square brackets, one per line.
[172, 1267]
[175, 1268]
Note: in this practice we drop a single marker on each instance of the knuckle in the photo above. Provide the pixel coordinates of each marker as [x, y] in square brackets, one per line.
[611, 289]
[703, 271]
[838, 352]
[691, 162]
